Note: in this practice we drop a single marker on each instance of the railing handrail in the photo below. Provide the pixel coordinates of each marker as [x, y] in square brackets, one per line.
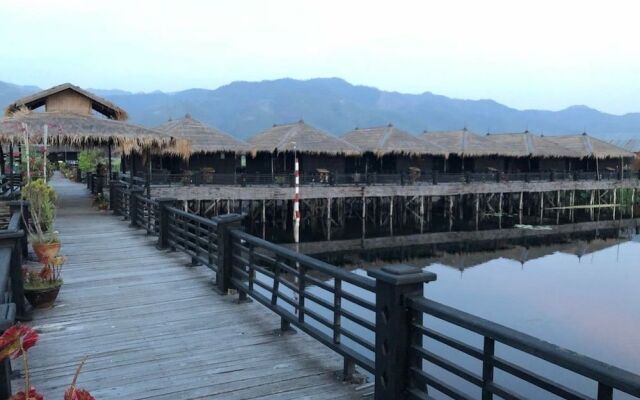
[321, 266]
[193, 217]
[591, 368]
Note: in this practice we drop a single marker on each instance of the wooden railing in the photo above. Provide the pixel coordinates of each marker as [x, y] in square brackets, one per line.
[375, 322]
[13, 248]
[196, 178]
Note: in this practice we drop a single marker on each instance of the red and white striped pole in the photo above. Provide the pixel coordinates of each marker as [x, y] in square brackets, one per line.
[296, 198]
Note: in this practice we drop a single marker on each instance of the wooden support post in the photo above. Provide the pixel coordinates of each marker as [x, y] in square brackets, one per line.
[500, 211]
[591, 201]
[558, 208]
[264, 219]
[391, 216]
[477, 211]
[421, 214]
[633, 200]
[395, 284]
[329, 218]
[225, 255]
[450, 213]
[541, 207]
[520, 208]
[364, 215]
[614, 203]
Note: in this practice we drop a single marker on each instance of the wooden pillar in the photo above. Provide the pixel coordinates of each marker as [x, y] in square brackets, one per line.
[477, 211]
[364, 215]
[591, 200]
[450, 213]
[558, 208]
[264, 219]
[500, 211]
[614, 203]
[541, 207]
[421, 214]
[520, 208]
[573, 202]
[391, 216]
[329, 218]
[633, 198]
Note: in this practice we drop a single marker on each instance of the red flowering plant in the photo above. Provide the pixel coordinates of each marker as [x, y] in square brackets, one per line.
[15, 342]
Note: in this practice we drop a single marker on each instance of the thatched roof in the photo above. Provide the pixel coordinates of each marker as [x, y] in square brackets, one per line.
[391, 140]
[526, 144]
[588, 146]
[303, 137]
[632, 145]
[204, 139]
[104, 107]
[84, 130]
[466, 143]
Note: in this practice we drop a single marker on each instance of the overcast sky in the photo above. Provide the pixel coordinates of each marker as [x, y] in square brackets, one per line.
[535, 54]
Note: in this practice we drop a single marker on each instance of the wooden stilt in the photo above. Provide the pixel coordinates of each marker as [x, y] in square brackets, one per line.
[500, 211]
[364, 216]
[591, 200]
[477, 211]
[541, 207]
[450, 213]
[329, 218]
[633, 200]
[520, 208]
[558, 205]
[264, 219]
[421, 214]
[614, 203]
[391, 216]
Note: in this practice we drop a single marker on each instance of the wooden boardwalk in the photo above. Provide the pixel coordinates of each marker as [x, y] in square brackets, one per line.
[154, 328]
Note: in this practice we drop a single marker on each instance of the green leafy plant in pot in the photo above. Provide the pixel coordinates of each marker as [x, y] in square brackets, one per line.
[41, 288]
[42, 208]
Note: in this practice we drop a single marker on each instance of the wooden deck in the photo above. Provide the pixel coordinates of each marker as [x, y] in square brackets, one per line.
[271, 192]
[154, 328]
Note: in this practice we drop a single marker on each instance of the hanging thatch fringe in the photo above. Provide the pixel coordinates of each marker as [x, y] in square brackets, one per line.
[391, 140]
[85, 131]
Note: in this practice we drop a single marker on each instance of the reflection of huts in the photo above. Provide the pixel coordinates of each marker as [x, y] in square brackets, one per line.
[388, 149]
[211, 149]
[468, 151]
[594, 154]
[273, 150]
[77, 118]
[531, 153]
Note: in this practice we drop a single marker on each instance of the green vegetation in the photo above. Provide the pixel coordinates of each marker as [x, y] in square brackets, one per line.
[42, 208]
[89, 159]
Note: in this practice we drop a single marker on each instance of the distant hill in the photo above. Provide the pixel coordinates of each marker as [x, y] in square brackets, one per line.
[245, 108]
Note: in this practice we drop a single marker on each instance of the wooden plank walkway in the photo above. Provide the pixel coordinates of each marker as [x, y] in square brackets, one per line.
[155, 329]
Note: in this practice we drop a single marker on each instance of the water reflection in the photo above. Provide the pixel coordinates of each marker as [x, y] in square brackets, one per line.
[574, 286]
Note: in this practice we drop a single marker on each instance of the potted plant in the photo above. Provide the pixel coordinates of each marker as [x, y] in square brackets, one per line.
[41, 288]
[100, 202]
[41, 198]
[15, 342]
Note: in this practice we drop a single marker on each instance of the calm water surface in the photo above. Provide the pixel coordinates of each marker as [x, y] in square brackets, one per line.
[588, 303]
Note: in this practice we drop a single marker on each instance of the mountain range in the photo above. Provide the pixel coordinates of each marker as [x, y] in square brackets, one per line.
[332, 104]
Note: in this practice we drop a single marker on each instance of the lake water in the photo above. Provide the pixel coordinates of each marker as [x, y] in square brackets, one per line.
[579, 291]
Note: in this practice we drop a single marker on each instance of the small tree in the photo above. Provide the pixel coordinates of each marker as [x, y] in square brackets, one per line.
[89, 159]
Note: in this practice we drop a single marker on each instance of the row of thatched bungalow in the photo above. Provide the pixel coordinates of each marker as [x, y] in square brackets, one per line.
[78, 118]
[388, 149]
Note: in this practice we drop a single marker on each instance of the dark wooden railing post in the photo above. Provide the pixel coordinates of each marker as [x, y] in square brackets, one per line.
[163, 224]
[395, 283]
[134, 205]
[225, 261]
[114, 192]
[22, 206]
[488, 351]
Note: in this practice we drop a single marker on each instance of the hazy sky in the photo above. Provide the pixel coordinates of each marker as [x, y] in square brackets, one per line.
[535, 54]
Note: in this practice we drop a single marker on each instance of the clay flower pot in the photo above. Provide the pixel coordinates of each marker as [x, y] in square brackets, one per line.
[46, 251]
[42, 298]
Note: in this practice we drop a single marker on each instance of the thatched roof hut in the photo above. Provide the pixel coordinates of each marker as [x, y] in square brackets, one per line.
[303, 138]
[391, 140]
[526, 144]
[465, 143]
[588, 146]
[70, 121]
[68, 98]
[203, 138]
